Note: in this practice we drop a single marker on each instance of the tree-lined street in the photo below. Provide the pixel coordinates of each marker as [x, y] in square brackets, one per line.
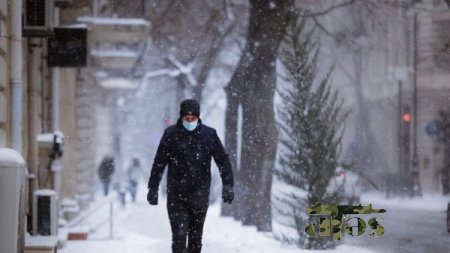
[269, 106]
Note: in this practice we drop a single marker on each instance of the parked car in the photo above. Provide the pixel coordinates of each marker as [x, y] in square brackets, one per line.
[347, 182]
[448, 217]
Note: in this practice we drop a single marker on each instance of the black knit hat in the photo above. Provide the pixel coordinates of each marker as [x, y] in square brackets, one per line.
[190, 107]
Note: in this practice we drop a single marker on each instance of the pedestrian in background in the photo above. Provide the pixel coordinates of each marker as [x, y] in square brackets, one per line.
[105, 172]
[121, 186]
[135, 173]
[187, 148]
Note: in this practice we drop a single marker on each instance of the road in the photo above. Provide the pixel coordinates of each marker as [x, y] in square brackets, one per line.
[408, 230]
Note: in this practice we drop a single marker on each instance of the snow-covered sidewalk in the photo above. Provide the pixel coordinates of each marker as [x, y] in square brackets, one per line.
[144, 228]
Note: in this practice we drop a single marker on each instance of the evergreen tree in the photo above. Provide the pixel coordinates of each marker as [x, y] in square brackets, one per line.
[310, 126]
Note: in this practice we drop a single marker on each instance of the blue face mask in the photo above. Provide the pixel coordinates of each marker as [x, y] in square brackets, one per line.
[190, 126]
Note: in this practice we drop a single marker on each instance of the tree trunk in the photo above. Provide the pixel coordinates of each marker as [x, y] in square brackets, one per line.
[256, 75]
[231, 144]
[365, 143]
[362, 120]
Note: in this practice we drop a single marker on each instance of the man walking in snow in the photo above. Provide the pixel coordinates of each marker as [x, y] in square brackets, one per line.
[187, 149]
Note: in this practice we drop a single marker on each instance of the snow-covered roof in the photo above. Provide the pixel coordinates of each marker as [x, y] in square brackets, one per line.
[47, 137]
[78, 25]
[114, 53]
[114, 21]
[162, 72]
[68, 202]
[45, 192]
[41, 242]
[10, 157]
[118, 83]
[79, 229]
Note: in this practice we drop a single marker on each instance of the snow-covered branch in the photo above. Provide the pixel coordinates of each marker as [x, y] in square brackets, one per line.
[184, 69]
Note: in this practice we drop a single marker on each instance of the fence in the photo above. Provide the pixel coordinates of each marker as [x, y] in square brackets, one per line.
[91, 215]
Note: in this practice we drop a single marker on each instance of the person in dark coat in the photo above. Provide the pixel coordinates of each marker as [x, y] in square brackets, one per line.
[105, 172]
[187, 148]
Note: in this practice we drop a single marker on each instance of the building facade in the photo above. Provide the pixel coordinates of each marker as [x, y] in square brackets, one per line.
[392, 60]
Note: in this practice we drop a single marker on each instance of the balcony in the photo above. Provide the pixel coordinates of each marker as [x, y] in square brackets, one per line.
[131, 30]
[114, 59]
[116, 46]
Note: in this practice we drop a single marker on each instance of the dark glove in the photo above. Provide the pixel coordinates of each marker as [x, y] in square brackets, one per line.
[227, 194]
[152, 197]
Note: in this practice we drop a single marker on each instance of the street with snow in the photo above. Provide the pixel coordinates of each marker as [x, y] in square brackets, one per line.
[411, 225]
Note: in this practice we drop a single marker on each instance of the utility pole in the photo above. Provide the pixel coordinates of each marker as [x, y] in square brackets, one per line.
[400, 132]
[416, 189]
[400, 74]
[406, 149]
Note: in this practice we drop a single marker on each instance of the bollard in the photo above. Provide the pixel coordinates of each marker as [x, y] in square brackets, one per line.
[45, 212]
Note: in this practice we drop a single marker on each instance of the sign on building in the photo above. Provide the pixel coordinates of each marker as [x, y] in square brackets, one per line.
[68, 48]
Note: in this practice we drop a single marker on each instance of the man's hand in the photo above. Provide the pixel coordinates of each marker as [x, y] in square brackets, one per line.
[227, 194]
[152, 197]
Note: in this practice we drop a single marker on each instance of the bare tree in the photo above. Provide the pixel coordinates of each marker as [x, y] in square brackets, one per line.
[252, 86]
[186, 35]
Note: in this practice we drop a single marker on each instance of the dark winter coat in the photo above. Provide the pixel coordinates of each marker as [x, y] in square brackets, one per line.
[106, 169]
[188, 155]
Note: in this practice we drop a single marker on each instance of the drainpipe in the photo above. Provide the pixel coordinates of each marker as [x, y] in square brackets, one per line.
[35, 49]
[15, 10]
[57, 177]
[55, 99]
[15, 63]
[55, 85]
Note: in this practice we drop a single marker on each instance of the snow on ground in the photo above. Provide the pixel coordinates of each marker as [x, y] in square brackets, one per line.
[144, 228]
[431, 202]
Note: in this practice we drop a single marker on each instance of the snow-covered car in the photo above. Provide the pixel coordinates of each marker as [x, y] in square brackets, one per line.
[345, 181]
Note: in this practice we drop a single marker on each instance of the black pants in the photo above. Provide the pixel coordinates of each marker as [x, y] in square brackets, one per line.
[105, 187]
[187, 215]
[133, 189]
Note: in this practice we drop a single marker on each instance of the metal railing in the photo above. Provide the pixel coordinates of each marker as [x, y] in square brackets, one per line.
[95, 209]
